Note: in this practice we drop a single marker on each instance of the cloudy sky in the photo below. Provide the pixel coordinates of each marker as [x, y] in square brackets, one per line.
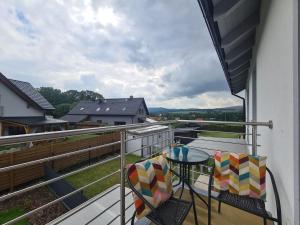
[157, 49]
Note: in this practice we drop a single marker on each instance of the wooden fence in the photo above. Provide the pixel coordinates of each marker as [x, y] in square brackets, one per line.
[11, 179]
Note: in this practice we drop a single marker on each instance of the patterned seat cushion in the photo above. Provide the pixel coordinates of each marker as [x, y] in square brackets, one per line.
[153, 179]
[164, 176]
[221, 175]
[257, 167]
[240, 174]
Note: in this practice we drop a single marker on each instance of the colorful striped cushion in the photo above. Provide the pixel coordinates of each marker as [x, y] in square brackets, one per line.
[239, 174]
[257, 166]
[221, 175]
[153, 179]
[164, 177]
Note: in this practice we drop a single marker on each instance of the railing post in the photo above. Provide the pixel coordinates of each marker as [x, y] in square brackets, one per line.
[171, 135]
[254, 140]
[122, 177]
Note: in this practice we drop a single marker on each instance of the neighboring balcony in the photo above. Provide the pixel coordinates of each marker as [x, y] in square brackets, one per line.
[114, 205]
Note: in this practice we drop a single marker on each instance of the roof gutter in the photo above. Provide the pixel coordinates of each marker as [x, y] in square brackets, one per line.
[244, 108]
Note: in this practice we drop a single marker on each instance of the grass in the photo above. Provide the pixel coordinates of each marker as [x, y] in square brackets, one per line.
[81, 137]
[85, 177]
[218, 134]
[8, 147]
[10, 214]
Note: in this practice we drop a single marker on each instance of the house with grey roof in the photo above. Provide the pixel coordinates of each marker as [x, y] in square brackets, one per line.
[114, 111]
[23, 109]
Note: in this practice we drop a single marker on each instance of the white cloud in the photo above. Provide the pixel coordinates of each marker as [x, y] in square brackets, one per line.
[155, 49]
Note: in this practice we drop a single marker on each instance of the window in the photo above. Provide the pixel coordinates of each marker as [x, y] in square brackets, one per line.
[98, 109]
[120, 123]
[141, 111]
[107, 109]
[82, 108]
[99, 121]
[124, 109]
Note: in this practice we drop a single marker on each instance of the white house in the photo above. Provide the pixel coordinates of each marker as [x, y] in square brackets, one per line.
[113, 111]
[258, 46]
[23, 109]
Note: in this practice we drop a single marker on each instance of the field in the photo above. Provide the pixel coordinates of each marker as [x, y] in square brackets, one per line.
[12, 213]
[218, 134]
[95, 173]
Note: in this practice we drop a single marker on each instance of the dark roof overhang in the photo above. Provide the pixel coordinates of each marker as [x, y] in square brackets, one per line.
[232, 27]
[32, 121]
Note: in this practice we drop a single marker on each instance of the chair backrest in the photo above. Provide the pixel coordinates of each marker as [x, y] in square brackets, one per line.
[151, 182]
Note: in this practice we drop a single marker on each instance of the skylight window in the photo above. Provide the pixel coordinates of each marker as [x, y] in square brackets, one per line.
[98, 109]
[107, 109]
[82, 108]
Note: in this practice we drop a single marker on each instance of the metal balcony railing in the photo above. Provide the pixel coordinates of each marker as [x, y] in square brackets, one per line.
[155, 147]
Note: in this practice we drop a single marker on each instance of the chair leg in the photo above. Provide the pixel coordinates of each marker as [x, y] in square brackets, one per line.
[181, 192]
[209, 212]
[265, 221]
[194, 207]
[133, 217]
[219, 207]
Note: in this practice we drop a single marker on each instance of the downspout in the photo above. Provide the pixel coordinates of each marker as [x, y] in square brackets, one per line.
[244, 109]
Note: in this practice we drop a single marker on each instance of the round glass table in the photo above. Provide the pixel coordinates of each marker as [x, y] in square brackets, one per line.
[194, 157]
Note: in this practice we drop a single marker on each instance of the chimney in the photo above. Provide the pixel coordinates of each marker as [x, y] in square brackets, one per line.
[131, 97]
[100, 100]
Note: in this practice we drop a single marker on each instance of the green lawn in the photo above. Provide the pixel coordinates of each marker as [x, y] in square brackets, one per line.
[87, 176]
[10, 214]
[8, 147]
[81, 137]
[218, 134]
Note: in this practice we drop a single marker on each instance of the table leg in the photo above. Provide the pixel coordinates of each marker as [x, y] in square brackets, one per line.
[183, 177]
[180, 174]
[194, 207]
[191, 188]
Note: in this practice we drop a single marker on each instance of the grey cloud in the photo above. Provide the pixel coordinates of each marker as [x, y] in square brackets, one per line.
[167, 37]
[194, 77]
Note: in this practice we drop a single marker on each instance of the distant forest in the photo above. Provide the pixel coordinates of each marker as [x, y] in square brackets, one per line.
[63, 101]
[234, 113]
[206, 115]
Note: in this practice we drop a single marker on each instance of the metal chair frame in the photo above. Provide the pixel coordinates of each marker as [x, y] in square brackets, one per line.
[235, 201]
[159, 220]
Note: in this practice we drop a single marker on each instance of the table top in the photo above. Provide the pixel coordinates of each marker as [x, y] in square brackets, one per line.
[195, 156]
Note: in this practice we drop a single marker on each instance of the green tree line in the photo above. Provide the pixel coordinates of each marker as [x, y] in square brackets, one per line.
[63, 101]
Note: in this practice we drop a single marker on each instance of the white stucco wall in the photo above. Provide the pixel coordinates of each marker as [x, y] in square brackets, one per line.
[273, 57]
[107, 119]
[111, 119]
[14, 106]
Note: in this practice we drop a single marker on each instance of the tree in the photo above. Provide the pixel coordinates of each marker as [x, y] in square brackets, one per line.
[54, 96]
[61, 110]
[64, 101]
